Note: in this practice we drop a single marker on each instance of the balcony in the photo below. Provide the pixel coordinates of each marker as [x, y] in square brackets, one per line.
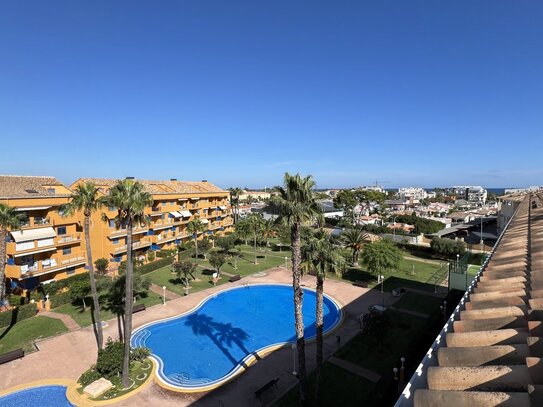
[44, 266]
[136, 245]
[123, 232]
[65, 240]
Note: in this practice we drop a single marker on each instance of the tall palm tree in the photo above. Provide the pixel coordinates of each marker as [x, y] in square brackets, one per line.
[297, 205]
[243, 230]
[130, 199]
[268, 231]
[86, 199]
[320, 254]
[9, 219]
[235, 194]
[354, 239]
[194, 227]
[254, 221]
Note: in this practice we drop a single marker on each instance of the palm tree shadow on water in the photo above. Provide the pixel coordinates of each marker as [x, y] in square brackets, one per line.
[223, 335]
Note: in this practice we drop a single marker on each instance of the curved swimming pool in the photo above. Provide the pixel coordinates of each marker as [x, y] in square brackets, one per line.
[43, 396]
[212, 343]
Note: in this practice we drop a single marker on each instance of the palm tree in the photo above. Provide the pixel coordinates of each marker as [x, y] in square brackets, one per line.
[9, 219]
[354, 239]
[254, 221]
[320, 255]
[297, 205]
[86, 199]
[268, 231]
[243, 230]
[235, 194]
[194, 227]
[130, 199]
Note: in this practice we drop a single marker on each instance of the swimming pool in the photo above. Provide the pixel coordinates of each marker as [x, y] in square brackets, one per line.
[43, 396]
[212, 343]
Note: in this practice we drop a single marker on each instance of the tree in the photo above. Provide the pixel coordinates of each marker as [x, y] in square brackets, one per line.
[86, 199]
[235, 194]
[268, 231]
[448, 248]
[195, 227]
[297, 205]
[184, 270]
[354, 239]
[374, 324]
[217, 260]
[9, 219]
[101, 265]
[346, 200]
[382, 258]
[204, 246]
[79, 290]
[320, 254]
[233, 254]
[243, 230]
[226, 242]
[130, 199]
[254, 220]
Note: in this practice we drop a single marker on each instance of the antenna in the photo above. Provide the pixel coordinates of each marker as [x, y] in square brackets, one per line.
[380, 182]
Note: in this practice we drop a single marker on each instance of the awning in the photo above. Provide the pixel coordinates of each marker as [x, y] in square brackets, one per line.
[185, 214]
[33, 234]
[175, 214]
[204, 221]
[27, 253]
[35, 208]
[222, 207]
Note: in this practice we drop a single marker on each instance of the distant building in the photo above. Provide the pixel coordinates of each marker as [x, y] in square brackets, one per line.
[329, 210]
[472, 194]
[412, 193]
[397, 204]
[372, 188]
[507, 206]
[247, 196]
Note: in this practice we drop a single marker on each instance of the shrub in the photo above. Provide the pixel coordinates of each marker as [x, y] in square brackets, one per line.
[101, 265]
[60, 299]
[89, 376]
[110, 359]
[166, 253]
[139, 354]
[17, 314]
[147, 268]
[151, 256]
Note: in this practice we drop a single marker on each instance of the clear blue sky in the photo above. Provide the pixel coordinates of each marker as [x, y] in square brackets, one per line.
[238, 92]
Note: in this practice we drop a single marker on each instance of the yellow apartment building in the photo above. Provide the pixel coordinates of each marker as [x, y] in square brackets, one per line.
[175, 203]
[47, 246]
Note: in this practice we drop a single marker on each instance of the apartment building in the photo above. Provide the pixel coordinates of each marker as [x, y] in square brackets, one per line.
[175, 203]
[472, 194]
[47, 245]
[412, 193]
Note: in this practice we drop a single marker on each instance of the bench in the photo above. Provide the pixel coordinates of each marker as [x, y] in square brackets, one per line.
[359, 283]
[9, 356]
[234, 278]
[138, 308]
[267, 386]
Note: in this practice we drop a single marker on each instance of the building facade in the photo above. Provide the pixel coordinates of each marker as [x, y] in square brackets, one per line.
[47, 245]
[175, 203]
[472, 194]
[412, 193]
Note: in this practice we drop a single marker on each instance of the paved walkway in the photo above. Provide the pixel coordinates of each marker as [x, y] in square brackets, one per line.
[355, 369]
[408, 312]
[68, 320]
[170, 295]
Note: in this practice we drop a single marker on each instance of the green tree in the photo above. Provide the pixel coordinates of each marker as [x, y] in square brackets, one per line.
[226, 242]
[233, 254]
[254, 220]
[243, 230]
[320, 255]
[86, 199]
[130, 199]
[194, 228]
[354, 239]
[9, 219]
[297, 205]
[79, 290]
[184, 270]
[235, 194]
[101, 265]
[217, 260]
[448, 248]
[268, 232]
[382, 258]
[205, 246]
[347, 201]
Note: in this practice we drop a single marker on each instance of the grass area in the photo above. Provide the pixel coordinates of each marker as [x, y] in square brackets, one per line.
[348, 389]
[24, 333]
[424, 304]
[84, 317]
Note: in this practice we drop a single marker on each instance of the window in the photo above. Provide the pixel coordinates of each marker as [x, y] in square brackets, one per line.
[111, 223]
[111, 208]
[115, 241]
[70, 271]
[67, 250]
[51, 190]
[61, 230]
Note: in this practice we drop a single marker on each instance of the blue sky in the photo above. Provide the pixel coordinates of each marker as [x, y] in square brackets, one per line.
[238, 92]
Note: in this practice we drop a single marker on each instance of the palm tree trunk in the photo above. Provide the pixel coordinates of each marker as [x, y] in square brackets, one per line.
[128, 304]
[196, 245]
[255, 247]
[320, 354]
[298, 316]
[94, 291]
[3, 234]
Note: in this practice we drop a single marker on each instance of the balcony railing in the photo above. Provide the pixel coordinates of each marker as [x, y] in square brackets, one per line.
[135, 245]
[67, 239]
[46, 265]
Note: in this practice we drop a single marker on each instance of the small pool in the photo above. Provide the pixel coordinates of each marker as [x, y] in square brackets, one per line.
[43, 396]
[212, 343]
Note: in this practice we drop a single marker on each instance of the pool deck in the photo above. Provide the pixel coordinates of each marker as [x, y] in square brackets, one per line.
[68, 355]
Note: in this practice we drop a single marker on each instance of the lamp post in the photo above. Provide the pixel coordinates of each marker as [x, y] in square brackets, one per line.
[286, 263]
[294, 372]
[402, 369]
[163, 295]
[481, 242]
[394, 229]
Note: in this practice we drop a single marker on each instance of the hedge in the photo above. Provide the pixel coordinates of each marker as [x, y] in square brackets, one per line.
[60, 299]
[56, 286]
[147, 268]
[17, 314]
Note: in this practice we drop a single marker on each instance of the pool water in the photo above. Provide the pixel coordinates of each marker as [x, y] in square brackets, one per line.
[43, 396]
[209, 344]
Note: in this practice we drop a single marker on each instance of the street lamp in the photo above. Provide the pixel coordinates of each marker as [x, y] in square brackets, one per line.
[294, 372]
[394, 229]
[482, 244]
[286, 263]
[402, 369]
[163, 295]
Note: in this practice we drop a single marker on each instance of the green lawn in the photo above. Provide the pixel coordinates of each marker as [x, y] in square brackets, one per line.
[424, 304]
[24, 333]
[84, 318]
